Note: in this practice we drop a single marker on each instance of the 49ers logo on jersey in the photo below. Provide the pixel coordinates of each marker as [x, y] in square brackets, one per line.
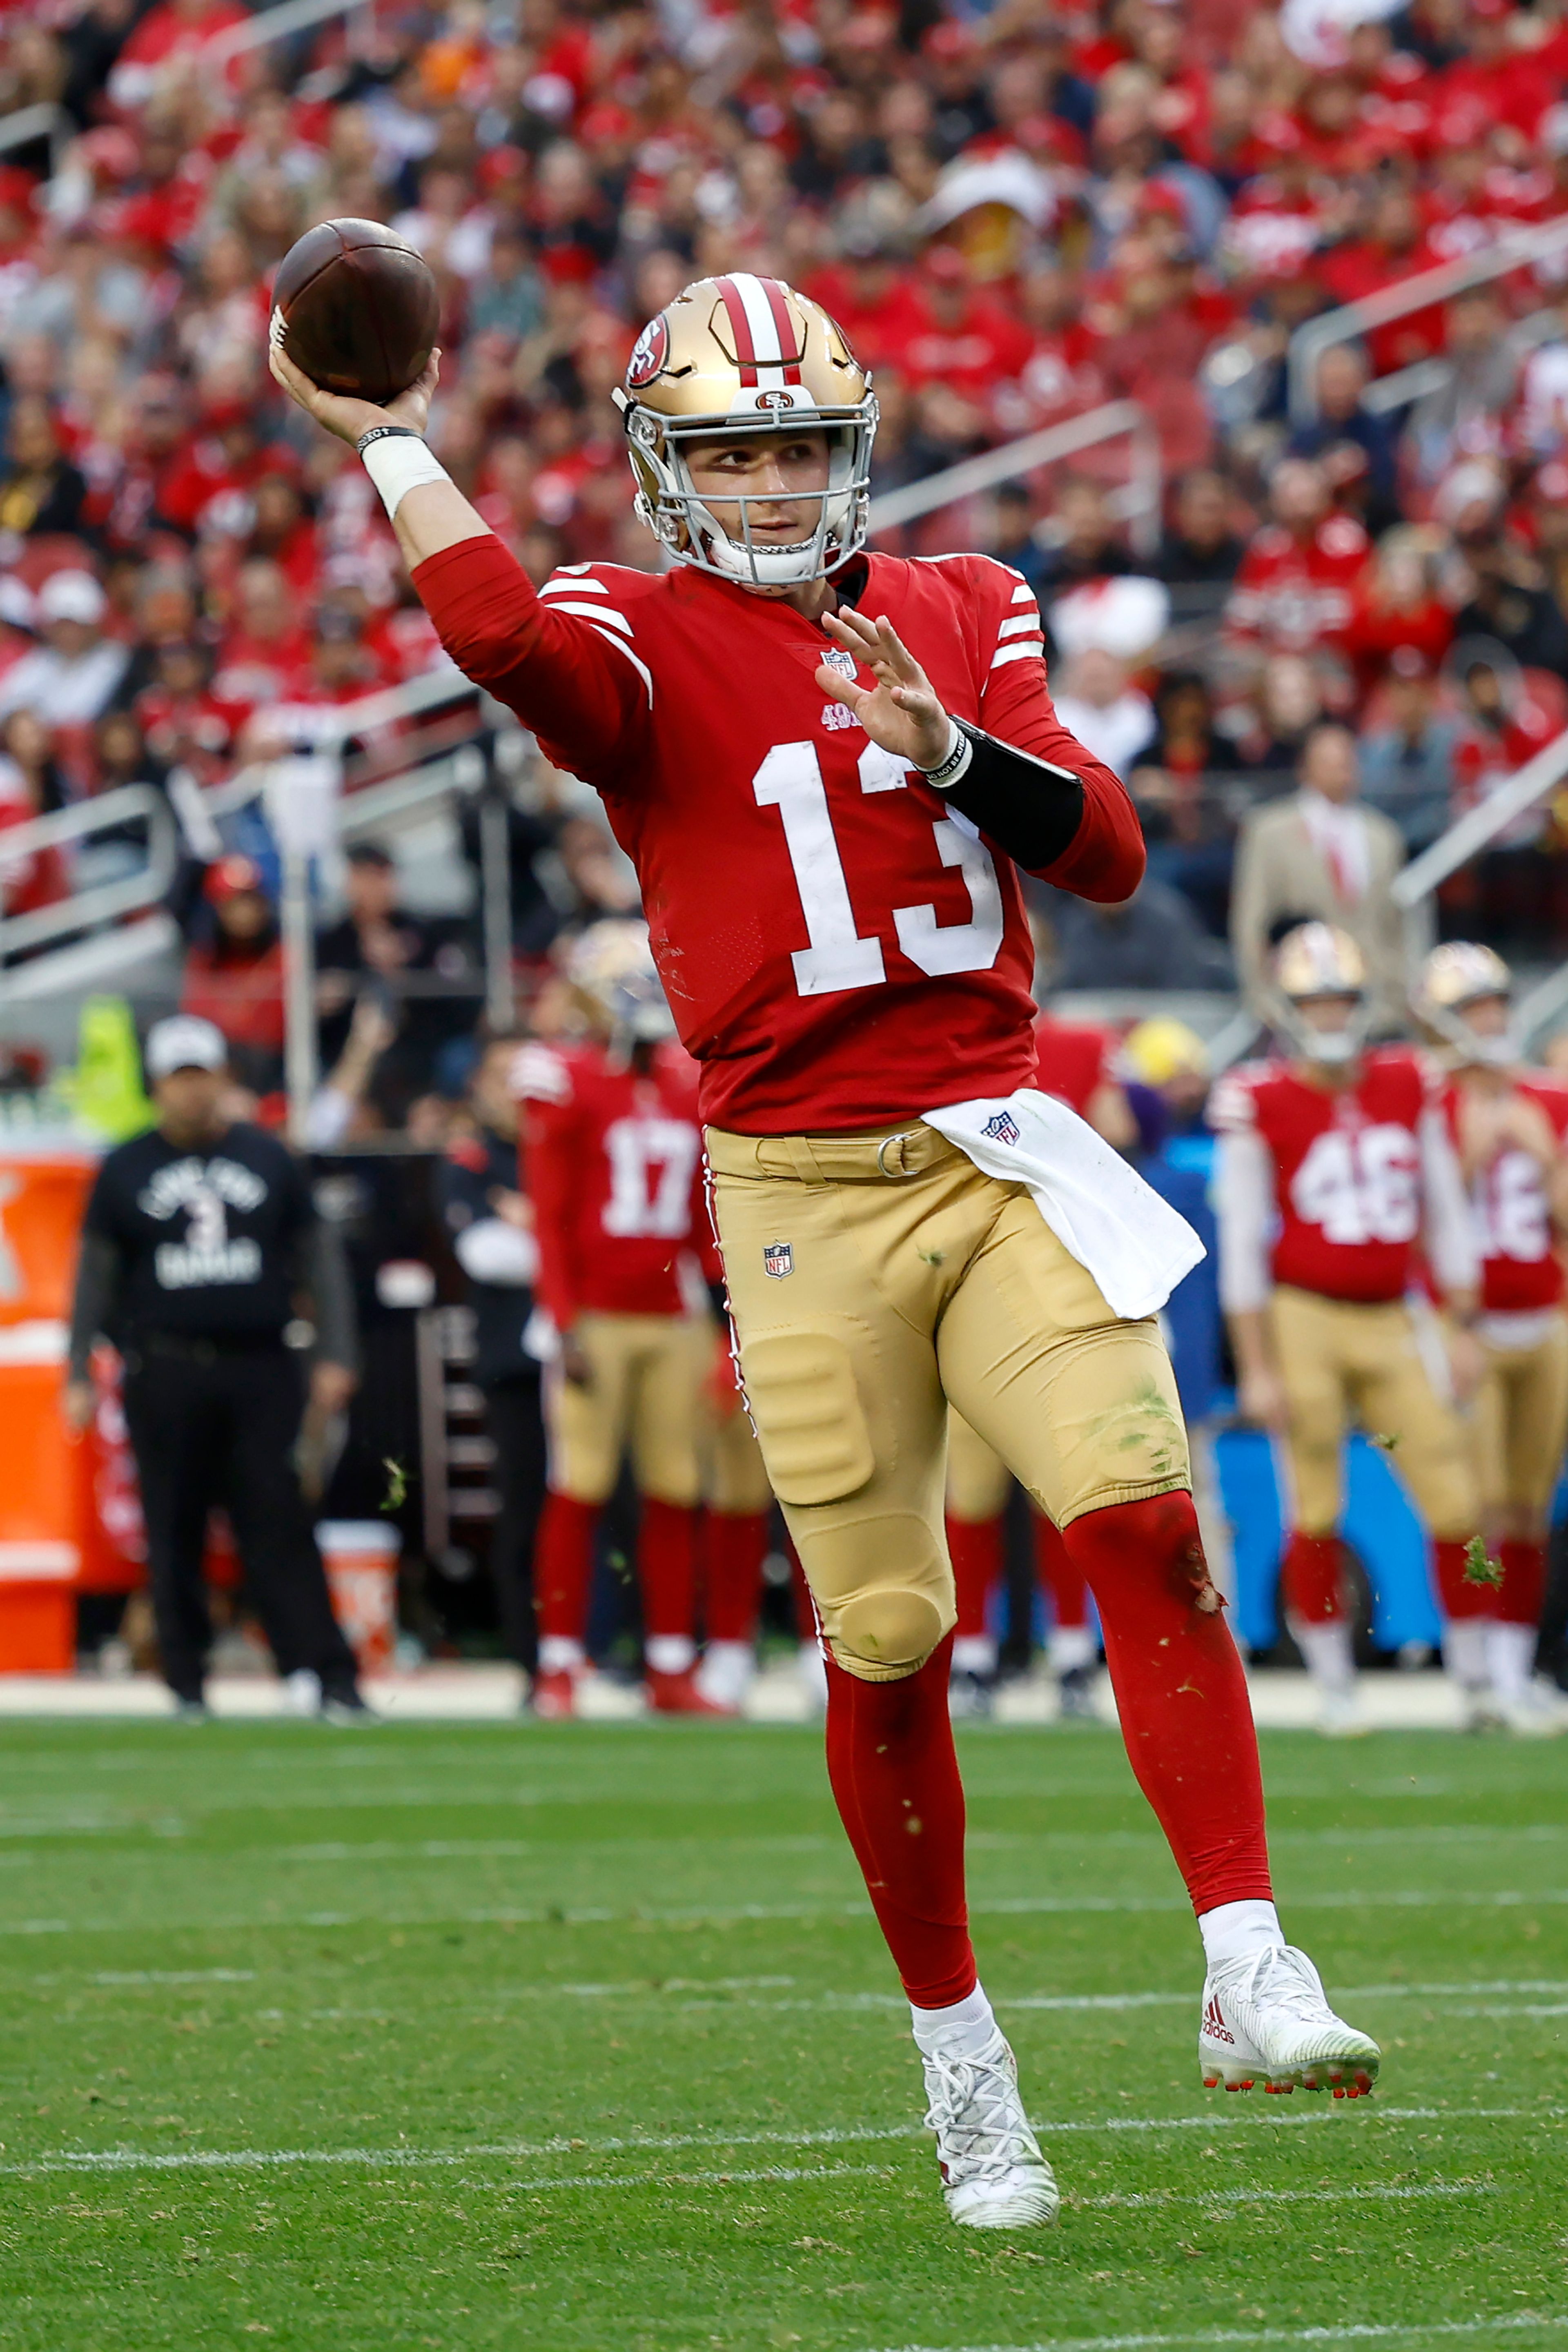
[648, 354]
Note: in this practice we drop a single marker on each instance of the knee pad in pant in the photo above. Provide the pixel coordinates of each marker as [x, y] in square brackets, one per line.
[883, 1590]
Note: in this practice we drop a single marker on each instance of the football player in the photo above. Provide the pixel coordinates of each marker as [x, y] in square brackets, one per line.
[1334, 1167]
[612, 1155]
[734, 1539]
[1509, 1125]
[826, 765]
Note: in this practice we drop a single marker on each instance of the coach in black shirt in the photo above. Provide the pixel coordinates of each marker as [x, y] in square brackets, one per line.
[198, 1236]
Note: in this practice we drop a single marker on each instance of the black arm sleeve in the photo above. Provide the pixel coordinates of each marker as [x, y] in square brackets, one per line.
[99, 1271]
[323, 1269]
[1028, 807]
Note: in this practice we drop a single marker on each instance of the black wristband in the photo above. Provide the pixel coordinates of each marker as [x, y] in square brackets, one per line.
[1029, 807]
[386, 432]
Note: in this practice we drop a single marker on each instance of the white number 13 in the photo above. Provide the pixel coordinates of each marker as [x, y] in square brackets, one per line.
[790, 779]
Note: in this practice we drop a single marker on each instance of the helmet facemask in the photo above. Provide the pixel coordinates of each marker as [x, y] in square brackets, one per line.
[676, 513]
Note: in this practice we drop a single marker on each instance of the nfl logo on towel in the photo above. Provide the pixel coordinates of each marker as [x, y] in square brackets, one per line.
[1001, 1127]
[778, 1259]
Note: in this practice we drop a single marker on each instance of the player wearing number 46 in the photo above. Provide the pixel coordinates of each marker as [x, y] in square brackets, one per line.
[1335, 1168]
[826, 765]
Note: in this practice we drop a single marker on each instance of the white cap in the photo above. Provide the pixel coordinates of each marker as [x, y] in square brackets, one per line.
[183, 1043]
[70, 596]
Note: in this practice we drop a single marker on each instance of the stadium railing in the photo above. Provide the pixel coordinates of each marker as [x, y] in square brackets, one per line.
[1139, 504]
[272, 25]
[44, 121]
[1428, 287]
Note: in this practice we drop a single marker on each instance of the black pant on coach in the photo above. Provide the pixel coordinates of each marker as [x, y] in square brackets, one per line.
[215, 1423]
[516, 1422]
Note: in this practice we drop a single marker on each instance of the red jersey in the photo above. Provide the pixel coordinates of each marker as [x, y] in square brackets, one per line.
[1294, 595]
[1520, 1270]
[839, 951]
[1075, 1060]
[1348, 1190]
[614, 1160]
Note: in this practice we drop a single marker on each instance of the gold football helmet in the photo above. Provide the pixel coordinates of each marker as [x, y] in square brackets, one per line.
[1456, 977]
[611, 969]
[1313, 962]
[743, 354]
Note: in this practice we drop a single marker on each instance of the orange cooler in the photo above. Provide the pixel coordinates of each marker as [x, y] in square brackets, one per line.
[44, 1185]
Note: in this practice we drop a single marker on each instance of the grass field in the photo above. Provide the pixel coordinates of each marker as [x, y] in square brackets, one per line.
[578, 2037]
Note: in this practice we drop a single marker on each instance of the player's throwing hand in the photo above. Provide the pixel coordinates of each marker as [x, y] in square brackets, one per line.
[342, 413]
[900, 712]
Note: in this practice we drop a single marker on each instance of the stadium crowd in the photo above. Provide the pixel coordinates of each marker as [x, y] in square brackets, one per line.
[1343, 621]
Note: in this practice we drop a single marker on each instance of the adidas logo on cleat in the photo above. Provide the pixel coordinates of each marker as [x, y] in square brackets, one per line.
[1214, 2025]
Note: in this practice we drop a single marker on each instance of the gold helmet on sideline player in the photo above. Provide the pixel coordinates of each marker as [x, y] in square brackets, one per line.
[1317, 963]
[1456, 980]
[743, 354]
[611, 971]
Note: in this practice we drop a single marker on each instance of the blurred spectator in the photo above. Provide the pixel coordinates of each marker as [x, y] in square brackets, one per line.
[1510, 601]
[1322, 854]
[1082, 541]
[1296, 587]
[1176, 782]
[424, 978]
[233, 971]
[1355, 450]
[1099, 704]
[1152, 940]
[1407, 759]
[1201, 552]
[40, 489]
[71, 676]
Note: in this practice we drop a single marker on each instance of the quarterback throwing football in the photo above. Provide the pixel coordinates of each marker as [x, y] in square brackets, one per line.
[825, 766]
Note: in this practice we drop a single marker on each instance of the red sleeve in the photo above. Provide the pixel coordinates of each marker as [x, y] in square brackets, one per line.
[588, 700]
[1105, 861]
[552, 1141]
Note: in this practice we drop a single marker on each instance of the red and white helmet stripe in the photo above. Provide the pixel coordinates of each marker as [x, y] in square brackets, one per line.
[765, 340]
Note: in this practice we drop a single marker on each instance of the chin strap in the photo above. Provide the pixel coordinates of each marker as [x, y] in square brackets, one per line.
[1027, 806]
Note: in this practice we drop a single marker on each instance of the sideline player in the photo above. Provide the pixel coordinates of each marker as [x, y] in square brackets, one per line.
[824, 766]
[1508, 1124]
[1334, 1164]
[613, 1157]
[1076, 1060]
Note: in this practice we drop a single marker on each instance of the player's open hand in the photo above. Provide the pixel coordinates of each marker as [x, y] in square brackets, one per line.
[340, 413]
[901, 712]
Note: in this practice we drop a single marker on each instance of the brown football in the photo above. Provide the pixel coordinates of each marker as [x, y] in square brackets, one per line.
[360, 307]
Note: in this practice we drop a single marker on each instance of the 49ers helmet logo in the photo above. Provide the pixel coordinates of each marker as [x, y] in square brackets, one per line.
[775, 400]
[648, 353]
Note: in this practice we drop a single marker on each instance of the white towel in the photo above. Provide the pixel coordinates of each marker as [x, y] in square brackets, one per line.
[1134, 1244]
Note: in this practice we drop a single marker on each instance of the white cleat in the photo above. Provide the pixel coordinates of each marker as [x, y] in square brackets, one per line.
[1537, 1712]
[992, 2174]
[726, 1673]
[1341, 1717]
[1265, 2020]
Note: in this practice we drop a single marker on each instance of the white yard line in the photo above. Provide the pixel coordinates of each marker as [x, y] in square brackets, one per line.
[513, 2151]
[1367, 2332]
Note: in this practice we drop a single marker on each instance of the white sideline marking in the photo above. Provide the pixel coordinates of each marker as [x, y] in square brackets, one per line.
[1393, 2191]
[1366, 2332]
[259, 2159]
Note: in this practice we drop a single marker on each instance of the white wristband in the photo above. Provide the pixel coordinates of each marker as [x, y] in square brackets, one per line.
[399, 463]
[954, 761]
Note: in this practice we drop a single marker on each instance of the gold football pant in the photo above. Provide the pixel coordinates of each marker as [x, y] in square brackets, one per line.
[1519, 1424]
[1345, 1365]
[644, 1397]
[873, 1279]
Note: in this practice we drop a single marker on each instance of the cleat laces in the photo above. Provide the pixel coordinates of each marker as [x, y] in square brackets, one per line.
[1282, 1978]
[973, 2111]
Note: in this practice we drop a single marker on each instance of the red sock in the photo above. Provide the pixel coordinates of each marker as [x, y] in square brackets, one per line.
[1059, 1575]
[733, 1582]
[667, 1567]
[1523, 1594]
[1180, 1691]
[564, 1565]
[895, 1780]
[1311, 1577]
[974, 1548]
[1458, 1598]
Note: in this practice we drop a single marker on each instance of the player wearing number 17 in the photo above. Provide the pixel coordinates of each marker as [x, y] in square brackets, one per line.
[826, 765]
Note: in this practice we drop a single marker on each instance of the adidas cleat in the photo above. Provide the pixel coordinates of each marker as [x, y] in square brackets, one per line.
[1265, 2022]
[992, 2174]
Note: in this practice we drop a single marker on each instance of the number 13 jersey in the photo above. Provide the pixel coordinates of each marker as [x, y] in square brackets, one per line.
[840, 949]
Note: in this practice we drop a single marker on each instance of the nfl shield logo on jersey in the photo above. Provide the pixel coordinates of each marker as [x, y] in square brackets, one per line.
[1001, 1127]
[778, 1259]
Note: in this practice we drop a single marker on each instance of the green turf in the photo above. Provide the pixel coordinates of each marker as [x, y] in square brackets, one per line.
[603, 2013]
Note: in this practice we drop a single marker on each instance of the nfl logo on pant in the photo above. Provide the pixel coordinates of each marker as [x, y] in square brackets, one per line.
[1002, 1127]
[778, 1259]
